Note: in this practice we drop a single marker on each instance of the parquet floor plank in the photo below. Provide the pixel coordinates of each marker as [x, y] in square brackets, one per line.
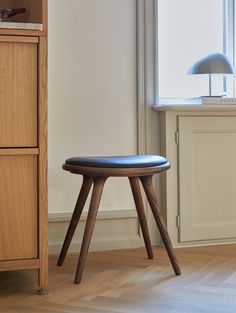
[126, 281]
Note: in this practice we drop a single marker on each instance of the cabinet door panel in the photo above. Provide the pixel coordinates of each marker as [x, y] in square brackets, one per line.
[207, 178]
[18, 207]
[18, 93]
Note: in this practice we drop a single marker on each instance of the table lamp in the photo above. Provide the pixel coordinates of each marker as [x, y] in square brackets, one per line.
[215, 63]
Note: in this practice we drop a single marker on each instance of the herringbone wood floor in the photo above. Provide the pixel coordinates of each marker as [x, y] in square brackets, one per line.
[125, 281]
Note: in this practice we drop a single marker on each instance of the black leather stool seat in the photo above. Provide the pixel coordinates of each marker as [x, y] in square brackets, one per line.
[130, 161]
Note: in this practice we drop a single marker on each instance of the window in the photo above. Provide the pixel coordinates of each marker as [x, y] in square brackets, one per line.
[187, 31]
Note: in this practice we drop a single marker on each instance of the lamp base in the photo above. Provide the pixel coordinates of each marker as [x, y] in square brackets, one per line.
[200, 98]
[212, 96]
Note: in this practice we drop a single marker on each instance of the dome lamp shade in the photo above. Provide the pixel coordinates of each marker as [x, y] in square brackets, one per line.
[215, 63]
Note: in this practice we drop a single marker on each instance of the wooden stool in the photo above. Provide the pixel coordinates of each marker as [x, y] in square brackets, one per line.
[96, 170]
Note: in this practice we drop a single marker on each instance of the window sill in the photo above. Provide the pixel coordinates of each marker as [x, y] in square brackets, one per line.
[187, 105]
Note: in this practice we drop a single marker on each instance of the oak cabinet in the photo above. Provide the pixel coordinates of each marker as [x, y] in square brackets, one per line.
[198, 192]
[23, 140]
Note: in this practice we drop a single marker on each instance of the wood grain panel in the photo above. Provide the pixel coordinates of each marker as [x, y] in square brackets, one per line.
[19, 39]
[22, 32]
[18, 207]
[15, 265]
[18, 94]
[43, 170]
[27, 151]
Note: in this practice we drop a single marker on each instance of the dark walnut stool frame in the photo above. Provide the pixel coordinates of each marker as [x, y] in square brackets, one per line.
[96, 170]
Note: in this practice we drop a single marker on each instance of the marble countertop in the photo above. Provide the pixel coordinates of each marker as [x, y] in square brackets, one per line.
[28, 26]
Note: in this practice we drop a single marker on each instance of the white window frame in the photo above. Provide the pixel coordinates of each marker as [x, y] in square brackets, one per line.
[230, 32]
[147, 65]
[229, 42]
[148, 124]
[147, 87]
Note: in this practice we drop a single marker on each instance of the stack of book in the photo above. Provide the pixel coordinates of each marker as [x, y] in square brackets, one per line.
[218, 100]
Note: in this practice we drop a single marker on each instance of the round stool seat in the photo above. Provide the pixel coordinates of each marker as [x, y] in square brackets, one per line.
[131, 165]
[130, 161]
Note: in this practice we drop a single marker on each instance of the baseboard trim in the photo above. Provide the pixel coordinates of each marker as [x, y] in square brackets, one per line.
[114, 229]
[213, 242]
[99, 244]
[102, 215]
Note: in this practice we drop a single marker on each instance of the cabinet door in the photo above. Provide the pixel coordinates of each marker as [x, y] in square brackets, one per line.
[207, 177]
[18, 207]
[18, 91]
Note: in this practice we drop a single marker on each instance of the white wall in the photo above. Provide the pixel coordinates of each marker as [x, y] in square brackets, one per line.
[92, 92]
[92, 111]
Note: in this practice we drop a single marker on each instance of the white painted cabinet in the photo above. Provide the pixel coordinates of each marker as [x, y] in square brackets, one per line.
[199, 191]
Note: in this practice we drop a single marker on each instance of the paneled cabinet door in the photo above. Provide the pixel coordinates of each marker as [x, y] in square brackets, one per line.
[18, 207]
[18, 91]
[207, 177]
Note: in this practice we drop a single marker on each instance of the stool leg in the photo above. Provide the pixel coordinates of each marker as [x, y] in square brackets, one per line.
[91, 218]
[149, 190]
[134, 183]
[84, 191]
